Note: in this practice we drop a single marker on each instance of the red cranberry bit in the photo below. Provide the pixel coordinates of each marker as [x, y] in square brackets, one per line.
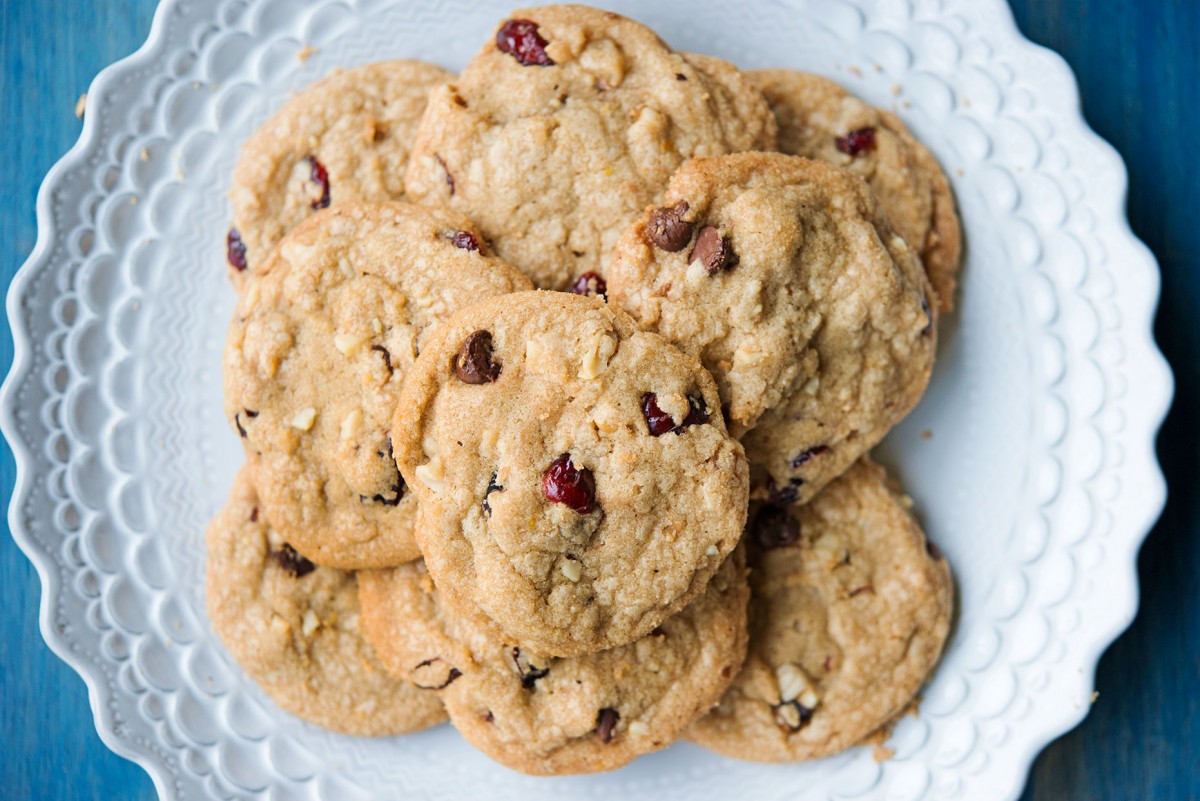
[606, 724]
[521, 40]
[782, 496]
[773, 528]
[933, 550]
[449, 178]
[857, 141]
[528, 672]
[319, 177]
[564, 483]
[465, 240]
[659, 422]
[811, 453]
[590, 285]
[235, 250]
[293, 562]
[434, 674]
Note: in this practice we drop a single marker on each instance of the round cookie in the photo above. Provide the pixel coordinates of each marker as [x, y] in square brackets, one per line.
[294, 628]
[315, 356]
[543, 715]
[344, 138]
[821, 120]
[575, 479]
[849, 611]
[781, 275]
[565, 125]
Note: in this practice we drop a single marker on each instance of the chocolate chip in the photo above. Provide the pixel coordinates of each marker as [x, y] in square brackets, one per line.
[293, 562]
[571, 486]
[474, 363]
[933, 550]
[667, 230]
[465, 240]
[235, 250]
[679, 76]
[320, 177]
[445, 169]
[782, 496]
[491, 487]
[528, 672]
[254, 515]
[928, 329]
[434, 674]
[590, 285]
[792, 716]
[387, 356]
[811, 453]
[606, 722]
[857, 141]
[713, 251]
[773, 527]
[520, 39]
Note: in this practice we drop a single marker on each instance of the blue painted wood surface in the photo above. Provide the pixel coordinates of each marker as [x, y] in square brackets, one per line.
[1139, 71]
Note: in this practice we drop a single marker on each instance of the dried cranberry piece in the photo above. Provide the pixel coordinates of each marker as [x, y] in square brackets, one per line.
[667, 230]
[811, 453]
[659, 422]
[520, 39]
[782, 496]
[590, 285]
[566, 484]
[857, 141]
[528, 672]
[928, 315]
[606, 723]
[792, 715]
[773, 528]
[235, 250]
[713, 251]
[474, 363]
[465, 240]
[491, 487]
[293, 562]
[445, 169]
[237, 421]
[933, 550]
[318, 176]
[434, 674]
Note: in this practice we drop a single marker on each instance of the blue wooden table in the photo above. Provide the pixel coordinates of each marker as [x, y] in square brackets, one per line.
[1139, 70]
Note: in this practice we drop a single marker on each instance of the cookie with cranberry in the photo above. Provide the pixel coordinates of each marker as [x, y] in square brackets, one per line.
[294, 627]
[782, 276]
[574, 476]
[344, 138]
[849, 612]
[546, 715]
[315, 355]
[821, 120]
[565, 125]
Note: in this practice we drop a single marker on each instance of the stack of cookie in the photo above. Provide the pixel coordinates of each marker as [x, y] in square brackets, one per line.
[556, 382]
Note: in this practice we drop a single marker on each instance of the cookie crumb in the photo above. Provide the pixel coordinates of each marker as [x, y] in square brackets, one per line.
[1095, 695]
[81, 105]
[855, 71]
[927, 435]
[881, 753]
[144, 154]
[306, 52]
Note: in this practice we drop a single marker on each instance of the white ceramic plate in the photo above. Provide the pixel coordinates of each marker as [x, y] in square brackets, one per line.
[1039, 481]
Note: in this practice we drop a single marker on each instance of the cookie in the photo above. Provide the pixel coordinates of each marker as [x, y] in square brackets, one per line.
[344, 138]
[315, 356]
[781, 275]
[545, 715]
[294, 628]
[565, 125]
[574, 476]
[849, 611]
[821, 120]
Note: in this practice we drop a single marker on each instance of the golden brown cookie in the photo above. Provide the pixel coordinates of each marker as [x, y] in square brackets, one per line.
[294, 628]
[319, 344]
[849, 612]
[575, 479]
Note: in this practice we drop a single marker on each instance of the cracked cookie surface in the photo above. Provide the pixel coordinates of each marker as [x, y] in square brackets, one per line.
[849, 613]
[575, 479]
[314, 359]
[781, 275]
[566, 125]
[545, 715]
[294, 627]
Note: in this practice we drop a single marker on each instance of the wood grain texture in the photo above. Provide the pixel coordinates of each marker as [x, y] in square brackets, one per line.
[1138, 66]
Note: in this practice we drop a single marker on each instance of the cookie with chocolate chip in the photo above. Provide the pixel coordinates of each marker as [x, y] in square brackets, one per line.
[850, 608]
[345, 138]
[315, 355]
[547, 715]
[294, 627]
[821, 120]
[784, 278]
[575, 479]
[566, 123]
